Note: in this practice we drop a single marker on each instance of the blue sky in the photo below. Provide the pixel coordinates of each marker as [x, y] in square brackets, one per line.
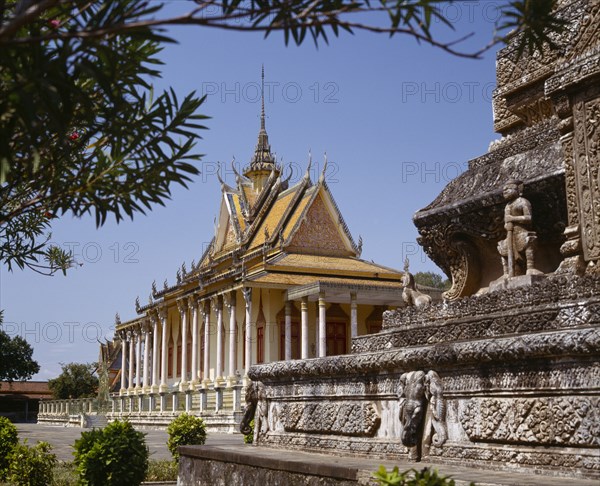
[398, 120]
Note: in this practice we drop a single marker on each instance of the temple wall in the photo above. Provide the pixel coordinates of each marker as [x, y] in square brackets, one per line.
[515, 372]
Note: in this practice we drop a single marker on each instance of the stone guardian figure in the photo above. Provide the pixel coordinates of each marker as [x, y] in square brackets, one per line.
[517, 249]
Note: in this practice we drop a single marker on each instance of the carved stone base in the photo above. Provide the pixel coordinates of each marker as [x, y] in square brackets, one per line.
[517, 386]
[515, 282]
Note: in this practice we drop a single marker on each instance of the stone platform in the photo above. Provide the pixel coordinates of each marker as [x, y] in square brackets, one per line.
[507, 381]
[250, 465]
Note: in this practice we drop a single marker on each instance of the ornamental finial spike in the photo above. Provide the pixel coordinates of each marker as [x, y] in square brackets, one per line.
[262, 99]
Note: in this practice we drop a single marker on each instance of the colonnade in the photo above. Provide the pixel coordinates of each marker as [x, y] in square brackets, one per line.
[144, 360]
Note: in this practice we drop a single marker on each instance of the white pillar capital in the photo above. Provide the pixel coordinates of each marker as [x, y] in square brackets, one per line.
[182, 305]
[247, 292]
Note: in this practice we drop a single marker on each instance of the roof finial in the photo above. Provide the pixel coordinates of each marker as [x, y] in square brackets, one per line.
[263, 159]
[262, 97]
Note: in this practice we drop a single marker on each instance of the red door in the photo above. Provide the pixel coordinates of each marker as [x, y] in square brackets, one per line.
[336, 338]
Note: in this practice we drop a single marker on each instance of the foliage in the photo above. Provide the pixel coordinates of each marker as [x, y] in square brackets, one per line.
[185, 430]
[77, 380]
[532, 20]
[162, 470]
[412, 477]
[431, 279]
[81, 130]
[249, 438]
[31, 466]
[8, 440]
[16, 363]
[116, 455]
[539, 20]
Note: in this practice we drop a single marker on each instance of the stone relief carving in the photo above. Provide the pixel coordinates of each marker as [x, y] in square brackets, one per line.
[557, 460]
[343, 418]
[339, 444]
[459, 258]
[257, 409]
[579, 342]
[568, 377]
[548, 421]
[587, 162]
[549, 291]
[422, 411]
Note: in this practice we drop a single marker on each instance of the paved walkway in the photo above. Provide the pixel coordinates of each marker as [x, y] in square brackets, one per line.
[62, 439]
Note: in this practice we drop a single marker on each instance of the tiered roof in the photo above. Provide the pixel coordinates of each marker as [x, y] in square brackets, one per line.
[270, 233]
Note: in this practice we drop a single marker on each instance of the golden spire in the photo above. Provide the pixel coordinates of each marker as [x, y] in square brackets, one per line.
[263, 159]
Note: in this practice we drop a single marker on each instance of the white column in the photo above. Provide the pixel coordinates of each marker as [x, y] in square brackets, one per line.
[317, 329]
[248, 341]
[193, 303]
[162, 313]
[232, 348]
[322, 326]
[304, 331]
[138, 358]
[146, 354]
[353, 316]
[182, 306]
[206, 318]
[130, 337]
[218, 308]
[154, 351]
[288, 330]
[123, 360]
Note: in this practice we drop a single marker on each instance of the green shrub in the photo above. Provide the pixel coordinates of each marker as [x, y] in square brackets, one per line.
[185, 430]
[249, 438]
[412, 477]
[163, 470]
[31, 466]
[116, 455]
[8, 440]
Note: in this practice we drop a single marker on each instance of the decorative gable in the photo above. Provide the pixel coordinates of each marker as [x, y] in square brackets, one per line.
[318, 233]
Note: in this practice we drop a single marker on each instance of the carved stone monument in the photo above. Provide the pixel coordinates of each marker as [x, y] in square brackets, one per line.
[498, 376]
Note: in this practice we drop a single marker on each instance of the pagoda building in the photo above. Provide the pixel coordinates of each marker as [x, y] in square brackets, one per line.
[282, 279]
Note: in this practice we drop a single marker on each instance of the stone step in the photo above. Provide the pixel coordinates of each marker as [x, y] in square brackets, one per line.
[206, 465]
